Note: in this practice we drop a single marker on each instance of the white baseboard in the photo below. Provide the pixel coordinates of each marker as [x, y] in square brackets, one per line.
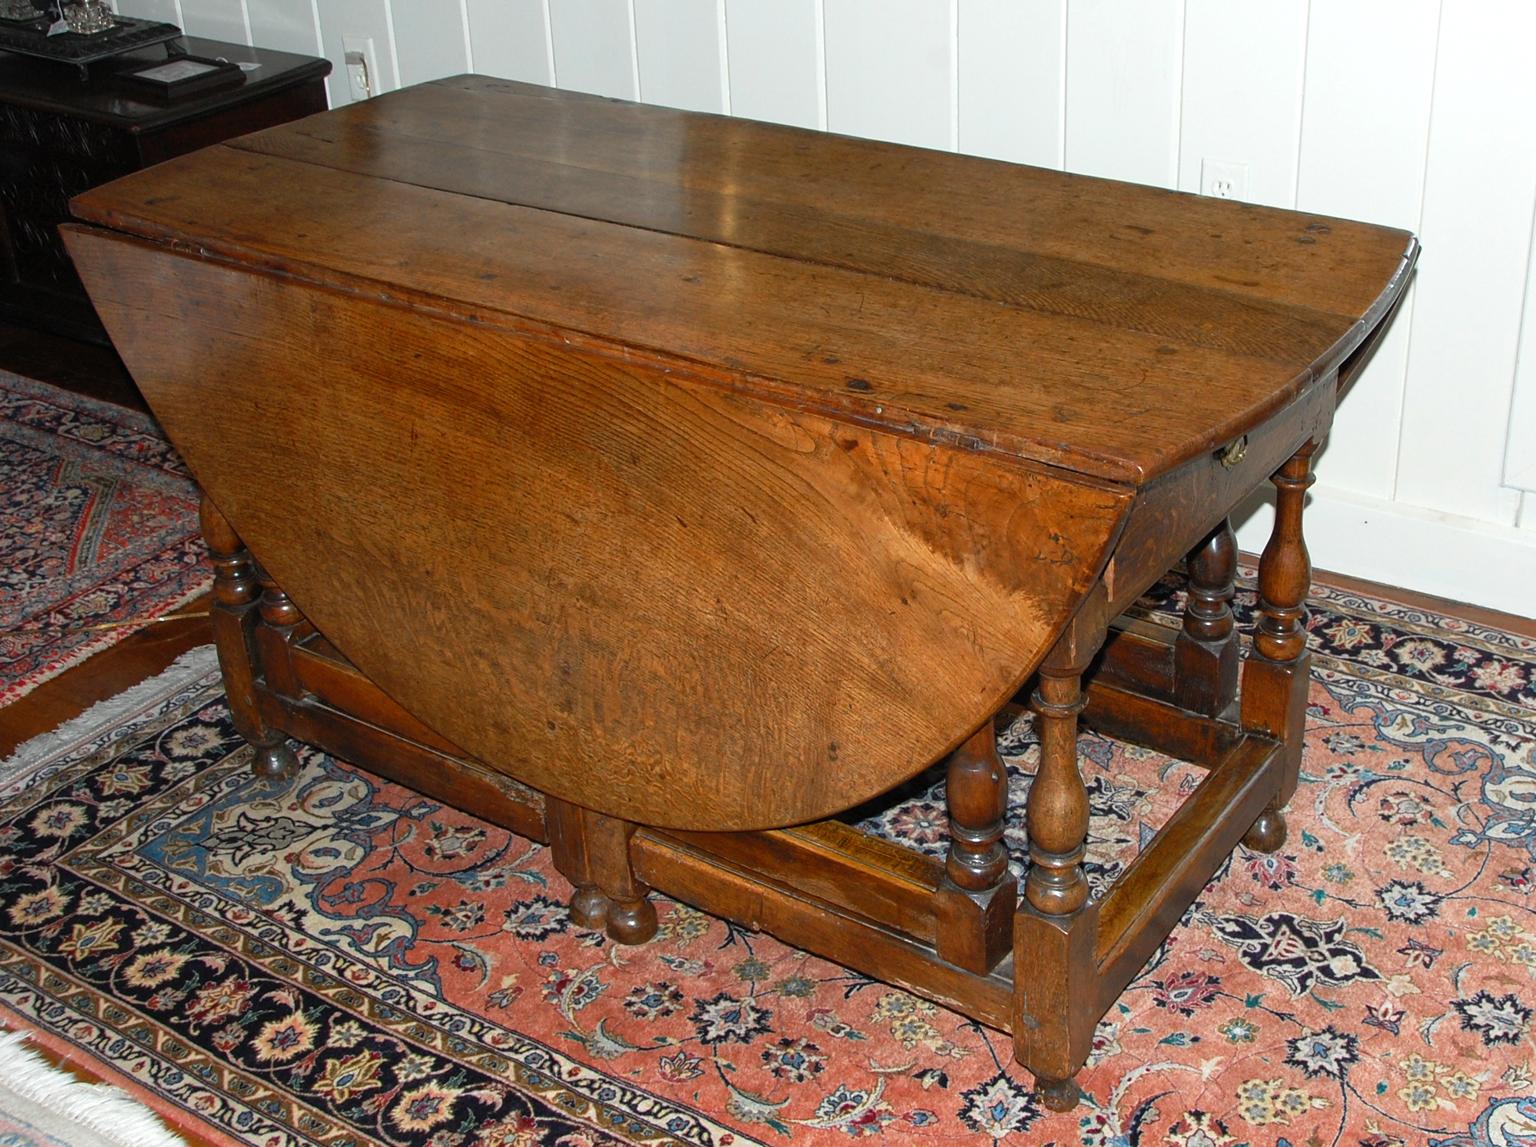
[1397, 545]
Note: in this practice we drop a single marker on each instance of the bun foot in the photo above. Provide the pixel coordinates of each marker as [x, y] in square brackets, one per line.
[1268, 832]
[1057, 1094]
[633, 922]
[275, 762]
[589, 909]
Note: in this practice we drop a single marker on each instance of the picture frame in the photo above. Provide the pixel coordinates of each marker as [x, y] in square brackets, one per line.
[179, 76]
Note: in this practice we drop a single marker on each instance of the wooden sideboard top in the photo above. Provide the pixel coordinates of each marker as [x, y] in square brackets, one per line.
[53, 88]
[1106, 328]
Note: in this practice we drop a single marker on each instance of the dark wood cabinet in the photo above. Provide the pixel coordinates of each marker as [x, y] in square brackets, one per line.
[60, 135]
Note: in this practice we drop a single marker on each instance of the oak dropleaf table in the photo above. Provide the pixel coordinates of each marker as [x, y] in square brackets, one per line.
[661, 485]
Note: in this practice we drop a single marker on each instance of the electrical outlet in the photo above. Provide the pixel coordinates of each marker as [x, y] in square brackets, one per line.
[362, 65]
[1223, 179]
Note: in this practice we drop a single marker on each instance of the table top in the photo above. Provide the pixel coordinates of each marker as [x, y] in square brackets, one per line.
[1108, 328]
[56, 88]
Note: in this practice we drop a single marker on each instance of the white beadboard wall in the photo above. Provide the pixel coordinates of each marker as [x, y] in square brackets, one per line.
[1414, 113]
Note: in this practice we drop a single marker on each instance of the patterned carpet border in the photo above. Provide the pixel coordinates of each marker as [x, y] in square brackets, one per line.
[557, 1086]
[339, 960]
[98, 526]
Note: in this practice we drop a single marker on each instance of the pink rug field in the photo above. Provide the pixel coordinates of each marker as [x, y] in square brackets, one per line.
[98, 527]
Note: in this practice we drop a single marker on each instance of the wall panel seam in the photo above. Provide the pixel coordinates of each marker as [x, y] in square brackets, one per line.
[634, 50]
[394, 47]
[1522, 356]
[1301, 100]
[722, 40]
[954, 75]
[1429, 133]
[549, 44]
[319, 30]
[469, 40]
[1061, 90]
[1178, 86]
[821, 64]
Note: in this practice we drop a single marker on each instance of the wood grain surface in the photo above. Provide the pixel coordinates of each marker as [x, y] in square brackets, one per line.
[624, 586]
[1113, 330]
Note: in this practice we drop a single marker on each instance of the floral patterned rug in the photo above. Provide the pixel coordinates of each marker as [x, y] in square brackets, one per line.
[338, 960]
[98, 525]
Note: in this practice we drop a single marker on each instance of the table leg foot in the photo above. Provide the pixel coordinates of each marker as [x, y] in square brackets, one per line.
[1268, 832]
[592, 852]
[275, 762]
[589, 908]
[1056, 997]
[1057, 1094]
[632, 921]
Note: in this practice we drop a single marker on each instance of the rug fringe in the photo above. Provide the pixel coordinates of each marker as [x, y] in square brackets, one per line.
[148, 694]
[109, 1112]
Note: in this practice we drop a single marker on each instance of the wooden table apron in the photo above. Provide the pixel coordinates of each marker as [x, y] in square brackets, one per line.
[662, 485]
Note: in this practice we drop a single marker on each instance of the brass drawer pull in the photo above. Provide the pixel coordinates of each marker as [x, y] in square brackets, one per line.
[1232, 453]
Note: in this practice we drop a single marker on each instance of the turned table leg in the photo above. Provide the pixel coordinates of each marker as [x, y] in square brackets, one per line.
[1205, 654]
[234, 616]
[1053, 971]
[1056, 816]
[977, 795]
[1276, 677]
[976, 903]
